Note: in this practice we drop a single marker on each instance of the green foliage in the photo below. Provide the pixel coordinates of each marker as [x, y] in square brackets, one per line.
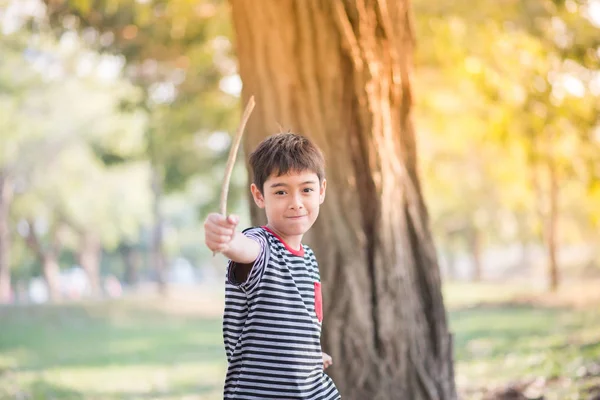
[499, 98]
[62, 187]
[177, 52]
[89, 168]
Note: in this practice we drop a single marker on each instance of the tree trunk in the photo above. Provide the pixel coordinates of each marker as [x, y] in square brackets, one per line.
[338, 72]
[131, 259]
[551, 227]
[48, 257]
[5, 199]
[51, 272]
[547, 199]
[475, 247]
[524, 236]
[90, 254]
[452, 270]
[158, 257]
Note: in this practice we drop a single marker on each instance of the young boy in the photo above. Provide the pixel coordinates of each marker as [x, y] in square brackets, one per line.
[273, 304]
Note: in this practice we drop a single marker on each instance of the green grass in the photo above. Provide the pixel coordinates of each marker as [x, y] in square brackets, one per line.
[496, 345]
[108, 352]
[121, 350]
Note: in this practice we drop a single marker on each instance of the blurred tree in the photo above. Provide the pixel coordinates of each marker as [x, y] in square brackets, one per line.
[177, 52]
[5, 199]
[52, 156]
[19, 144]
[339, 72]
[527, 75]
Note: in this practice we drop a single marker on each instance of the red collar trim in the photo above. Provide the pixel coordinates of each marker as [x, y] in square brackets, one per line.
[299, 253]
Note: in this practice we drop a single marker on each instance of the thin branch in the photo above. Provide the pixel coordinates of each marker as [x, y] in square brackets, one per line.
[232, 155]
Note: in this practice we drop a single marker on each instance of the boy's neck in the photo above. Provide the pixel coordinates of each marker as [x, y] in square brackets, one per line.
[293, 242]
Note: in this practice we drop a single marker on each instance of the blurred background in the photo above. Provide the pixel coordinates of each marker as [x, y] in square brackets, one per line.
[115, 124]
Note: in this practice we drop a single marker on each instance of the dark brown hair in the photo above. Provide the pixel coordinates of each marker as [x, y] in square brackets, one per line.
[283, 153]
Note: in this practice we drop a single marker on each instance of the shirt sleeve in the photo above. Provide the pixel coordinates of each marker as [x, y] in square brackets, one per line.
[260, 264]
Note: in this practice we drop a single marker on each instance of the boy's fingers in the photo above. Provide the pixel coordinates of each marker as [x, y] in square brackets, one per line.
[216, 246]
[219, 230]
[218, 238]
[226, 222]
[218, 219]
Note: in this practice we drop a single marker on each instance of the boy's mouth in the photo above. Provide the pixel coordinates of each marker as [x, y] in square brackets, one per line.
[297, 216]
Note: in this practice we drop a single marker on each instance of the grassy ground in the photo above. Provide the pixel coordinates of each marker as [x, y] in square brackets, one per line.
[149, 349]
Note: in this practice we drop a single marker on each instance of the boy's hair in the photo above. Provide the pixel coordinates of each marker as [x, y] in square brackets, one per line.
[283, 153]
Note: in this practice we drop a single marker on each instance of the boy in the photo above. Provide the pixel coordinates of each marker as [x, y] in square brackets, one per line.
[273, 306]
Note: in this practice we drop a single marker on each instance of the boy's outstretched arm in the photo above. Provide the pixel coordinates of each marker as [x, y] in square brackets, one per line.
[220, 236]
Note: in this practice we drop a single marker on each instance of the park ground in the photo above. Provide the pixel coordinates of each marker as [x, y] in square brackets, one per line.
[508, 340]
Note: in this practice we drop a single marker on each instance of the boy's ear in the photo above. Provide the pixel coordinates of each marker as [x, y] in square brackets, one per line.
[322, 191]
[259, 199]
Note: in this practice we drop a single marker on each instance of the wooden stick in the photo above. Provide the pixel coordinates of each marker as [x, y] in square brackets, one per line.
[233, 154]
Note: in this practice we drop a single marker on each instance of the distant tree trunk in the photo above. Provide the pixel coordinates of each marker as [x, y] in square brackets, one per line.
[551, 227]
[451, 273]
[338, 72]
[547, 200]
[524, 240]
[474, 238]
[5, 200]
[132, 263]
[48, 257]
[51, 272]
[90, 253]
[158, 257]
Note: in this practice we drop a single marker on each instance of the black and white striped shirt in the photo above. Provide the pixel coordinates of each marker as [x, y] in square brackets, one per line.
[272, 326]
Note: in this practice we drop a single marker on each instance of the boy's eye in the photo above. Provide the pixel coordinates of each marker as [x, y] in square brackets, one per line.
[308, 190]
[280, 193]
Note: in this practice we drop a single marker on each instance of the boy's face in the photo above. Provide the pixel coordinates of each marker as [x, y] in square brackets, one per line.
[291, 201]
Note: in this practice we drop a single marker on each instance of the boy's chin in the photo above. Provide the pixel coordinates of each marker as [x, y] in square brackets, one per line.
[296, 228]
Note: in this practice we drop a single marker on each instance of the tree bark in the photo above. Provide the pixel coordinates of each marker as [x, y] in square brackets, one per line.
[338, 72]
[5, 200]
[90, 254]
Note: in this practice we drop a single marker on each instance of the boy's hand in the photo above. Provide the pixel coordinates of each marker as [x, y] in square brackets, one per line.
[219, 230]
[327, 360]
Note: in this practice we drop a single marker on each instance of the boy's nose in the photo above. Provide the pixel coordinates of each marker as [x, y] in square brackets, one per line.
[296, 203]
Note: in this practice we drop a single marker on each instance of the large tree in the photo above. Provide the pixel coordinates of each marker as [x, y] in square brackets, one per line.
[339, 72]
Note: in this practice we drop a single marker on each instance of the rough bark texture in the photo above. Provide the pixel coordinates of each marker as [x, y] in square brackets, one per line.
[338, 72]
[5, 199]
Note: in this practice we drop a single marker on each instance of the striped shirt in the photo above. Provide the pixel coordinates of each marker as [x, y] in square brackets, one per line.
[272, 326]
